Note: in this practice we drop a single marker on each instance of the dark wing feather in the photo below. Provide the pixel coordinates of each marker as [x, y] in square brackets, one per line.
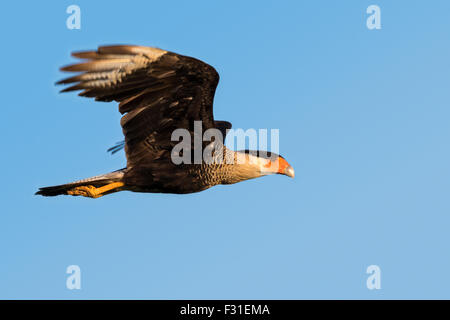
[223, 126]
[158, 91]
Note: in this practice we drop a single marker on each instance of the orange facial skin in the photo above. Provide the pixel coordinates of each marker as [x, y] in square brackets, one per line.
[280, 162]
[282, 165]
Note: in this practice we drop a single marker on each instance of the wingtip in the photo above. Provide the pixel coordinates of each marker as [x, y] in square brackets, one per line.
[68, 68]
[84, 54]
[65, 90]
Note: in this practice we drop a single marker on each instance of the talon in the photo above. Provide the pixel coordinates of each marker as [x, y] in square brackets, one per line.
[85, 191]
[93, 192]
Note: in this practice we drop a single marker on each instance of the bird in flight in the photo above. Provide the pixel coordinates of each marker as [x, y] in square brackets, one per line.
[159, 92]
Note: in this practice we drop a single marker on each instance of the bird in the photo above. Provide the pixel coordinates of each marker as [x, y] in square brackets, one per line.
[158, 92]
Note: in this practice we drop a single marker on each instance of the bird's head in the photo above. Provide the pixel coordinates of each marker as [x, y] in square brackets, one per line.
[269, 163]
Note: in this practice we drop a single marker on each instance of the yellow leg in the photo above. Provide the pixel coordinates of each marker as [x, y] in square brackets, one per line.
[93, 192]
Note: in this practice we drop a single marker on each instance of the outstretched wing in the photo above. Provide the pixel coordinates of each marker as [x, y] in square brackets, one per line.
[158, 91]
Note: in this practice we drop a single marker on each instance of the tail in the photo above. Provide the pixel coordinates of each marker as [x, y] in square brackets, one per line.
[96, 182]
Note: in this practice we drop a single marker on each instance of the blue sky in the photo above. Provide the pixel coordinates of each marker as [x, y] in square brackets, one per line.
[363, 118]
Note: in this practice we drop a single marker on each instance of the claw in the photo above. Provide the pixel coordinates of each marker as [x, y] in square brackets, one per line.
[93, 192]
[85, 191]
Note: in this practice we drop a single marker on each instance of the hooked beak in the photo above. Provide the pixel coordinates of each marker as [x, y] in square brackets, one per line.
[289, 171]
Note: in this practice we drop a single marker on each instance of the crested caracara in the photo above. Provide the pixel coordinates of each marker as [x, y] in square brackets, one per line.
[159, 92]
